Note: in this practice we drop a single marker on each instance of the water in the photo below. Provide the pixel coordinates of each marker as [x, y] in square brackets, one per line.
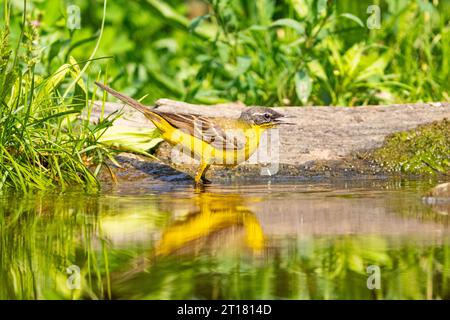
[347, 240]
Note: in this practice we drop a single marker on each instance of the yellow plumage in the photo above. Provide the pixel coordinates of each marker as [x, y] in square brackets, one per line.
[213, 141]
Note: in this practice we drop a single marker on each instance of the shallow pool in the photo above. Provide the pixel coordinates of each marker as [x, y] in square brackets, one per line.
[340, 240]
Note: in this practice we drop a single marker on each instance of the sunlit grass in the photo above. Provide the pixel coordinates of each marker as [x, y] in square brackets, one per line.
[44, 141]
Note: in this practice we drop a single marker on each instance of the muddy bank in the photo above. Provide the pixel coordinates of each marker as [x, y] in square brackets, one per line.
[324, 142]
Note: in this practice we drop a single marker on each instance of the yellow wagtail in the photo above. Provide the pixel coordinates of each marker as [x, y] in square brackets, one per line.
[217, 141]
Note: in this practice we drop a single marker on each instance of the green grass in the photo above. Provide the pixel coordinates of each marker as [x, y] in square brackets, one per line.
[45, 141]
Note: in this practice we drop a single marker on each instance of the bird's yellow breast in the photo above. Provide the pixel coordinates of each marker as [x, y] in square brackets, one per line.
[209, 154]
[206, 153]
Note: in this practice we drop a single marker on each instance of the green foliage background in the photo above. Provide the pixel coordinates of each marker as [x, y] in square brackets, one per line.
[266, 52]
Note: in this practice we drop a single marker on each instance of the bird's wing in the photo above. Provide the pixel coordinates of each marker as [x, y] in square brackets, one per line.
[207, 129]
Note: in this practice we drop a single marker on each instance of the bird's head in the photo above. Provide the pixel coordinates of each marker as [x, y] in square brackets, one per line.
[263, 117]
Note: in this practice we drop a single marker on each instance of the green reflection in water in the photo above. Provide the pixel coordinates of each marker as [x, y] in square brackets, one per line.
[308, 244]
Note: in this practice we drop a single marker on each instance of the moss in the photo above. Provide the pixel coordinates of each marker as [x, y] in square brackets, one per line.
[423, 150]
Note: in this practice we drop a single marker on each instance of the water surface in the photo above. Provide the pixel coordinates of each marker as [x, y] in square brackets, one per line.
[253, 241]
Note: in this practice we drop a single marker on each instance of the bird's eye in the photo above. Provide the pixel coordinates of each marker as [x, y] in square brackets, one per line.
[267, 115]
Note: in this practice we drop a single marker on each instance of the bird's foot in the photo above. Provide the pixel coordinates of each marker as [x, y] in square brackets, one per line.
[199, 187]
[206, 181]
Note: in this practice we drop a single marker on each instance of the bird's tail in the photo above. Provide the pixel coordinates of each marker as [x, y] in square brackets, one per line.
[129, 101]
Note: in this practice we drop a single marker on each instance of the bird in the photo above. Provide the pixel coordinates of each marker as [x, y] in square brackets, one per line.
[210, 140]
[211, 214]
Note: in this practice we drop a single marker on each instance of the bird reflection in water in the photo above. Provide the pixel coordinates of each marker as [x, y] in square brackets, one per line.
[213, 214]
[213, 223]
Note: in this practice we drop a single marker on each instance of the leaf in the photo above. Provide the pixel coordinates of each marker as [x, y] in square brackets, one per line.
[352, 58]
[169, 44]
[137, 141]
[51, 83]
[375, 68]
[224, 52]
[171, 16]
[356, 263]
[197, 21]
[303, 85]
[75, 71]
[56, 48]
[257, 27]
[243, 63]
[165, 82]
[301, 7]
[335, 58]
[353, 18]
[317, 70]
[264, 11]
[322, 7]
[291, 23]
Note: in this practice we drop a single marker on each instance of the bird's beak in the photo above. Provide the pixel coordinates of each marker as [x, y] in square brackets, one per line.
[282, 120]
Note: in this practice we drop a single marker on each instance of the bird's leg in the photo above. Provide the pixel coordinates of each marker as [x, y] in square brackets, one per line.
[205, 181]
[200, 174]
